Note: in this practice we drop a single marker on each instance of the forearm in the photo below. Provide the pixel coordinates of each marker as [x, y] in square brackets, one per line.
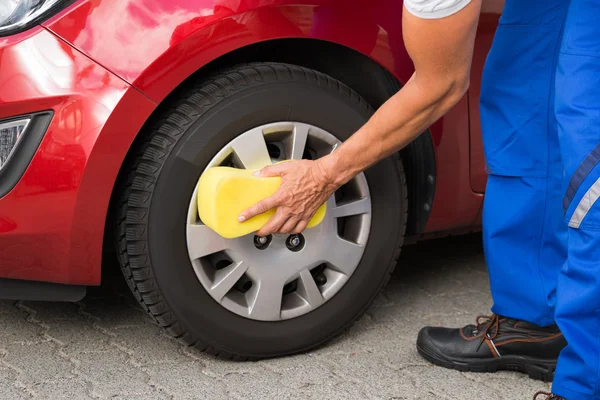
[395, 124]
[441, 51]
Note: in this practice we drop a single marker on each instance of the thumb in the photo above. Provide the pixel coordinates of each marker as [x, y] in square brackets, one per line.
[272, 170]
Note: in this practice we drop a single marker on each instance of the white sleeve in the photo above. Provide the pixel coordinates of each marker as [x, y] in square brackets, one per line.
[435, 9]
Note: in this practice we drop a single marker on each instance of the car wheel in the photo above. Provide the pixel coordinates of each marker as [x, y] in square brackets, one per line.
[251, 298]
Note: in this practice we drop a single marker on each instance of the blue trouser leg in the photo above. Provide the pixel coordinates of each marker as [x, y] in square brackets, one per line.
[525, 238]
[578, 115]
[541, 123]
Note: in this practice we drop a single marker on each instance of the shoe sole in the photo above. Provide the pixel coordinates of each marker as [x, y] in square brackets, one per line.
[538, 369]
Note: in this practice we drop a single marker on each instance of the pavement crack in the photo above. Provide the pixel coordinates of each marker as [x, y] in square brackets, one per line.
[31, 318]
[18, 383]
[89, 387]
[59, 349]
[185, 351]
[129, 353]
[438, 395]
[81, 311]
[405, 367]
[269, 368]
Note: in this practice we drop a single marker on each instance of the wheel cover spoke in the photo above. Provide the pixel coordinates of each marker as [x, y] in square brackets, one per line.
[308, 289]
[226, 278]
[250, 149]
[344, 255]
[266, 304]
[299, 137]
[203, 241]
[347, 209]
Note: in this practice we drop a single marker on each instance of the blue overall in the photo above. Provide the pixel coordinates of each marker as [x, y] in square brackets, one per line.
[540, 113]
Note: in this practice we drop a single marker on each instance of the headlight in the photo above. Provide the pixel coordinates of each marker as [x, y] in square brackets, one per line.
[10, 135]
[18, 15]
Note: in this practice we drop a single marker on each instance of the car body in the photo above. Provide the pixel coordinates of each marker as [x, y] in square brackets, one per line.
[91, 74]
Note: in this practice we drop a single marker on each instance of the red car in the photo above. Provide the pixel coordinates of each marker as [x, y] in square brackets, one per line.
[110, 110]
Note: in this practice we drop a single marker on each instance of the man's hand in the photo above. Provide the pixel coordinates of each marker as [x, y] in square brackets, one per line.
[305, 186]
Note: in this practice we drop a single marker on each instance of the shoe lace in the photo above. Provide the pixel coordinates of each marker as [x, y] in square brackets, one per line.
[491, 325]
[548, 396]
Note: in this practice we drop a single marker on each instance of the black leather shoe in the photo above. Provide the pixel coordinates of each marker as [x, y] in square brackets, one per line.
[547, 396]
[496, 343]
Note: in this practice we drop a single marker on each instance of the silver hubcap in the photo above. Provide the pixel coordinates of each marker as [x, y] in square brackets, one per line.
[264, 278]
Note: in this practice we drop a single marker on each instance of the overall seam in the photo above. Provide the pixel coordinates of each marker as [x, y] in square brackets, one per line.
[579, 55]
[548, 125]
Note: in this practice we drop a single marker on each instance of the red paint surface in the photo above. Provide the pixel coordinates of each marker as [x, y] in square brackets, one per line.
[51, 223]
[103, 65]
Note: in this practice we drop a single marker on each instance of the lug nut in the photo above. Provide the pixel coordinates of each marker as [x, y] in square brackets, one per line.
[320, 279]
[295, 242]
[262, 242]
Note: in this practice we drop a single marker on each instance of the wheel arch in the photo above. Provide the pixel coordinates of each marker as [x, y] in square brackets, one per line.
[350, 67]
[342, 62]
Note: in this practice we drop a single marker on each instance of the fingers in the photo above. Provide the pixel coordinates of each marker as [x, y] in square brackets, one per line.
[272, 170]
[259, 208]
[300, 227]
[274, 224]
[289, 225]
[281, 223]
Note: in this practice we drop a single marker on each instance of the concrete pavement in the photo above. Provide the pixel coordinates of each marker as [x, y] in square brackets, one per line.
[107, 348]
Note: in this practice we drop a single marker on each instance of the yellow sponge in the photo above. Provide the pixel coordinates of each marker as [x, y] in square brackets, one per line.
[224, 192]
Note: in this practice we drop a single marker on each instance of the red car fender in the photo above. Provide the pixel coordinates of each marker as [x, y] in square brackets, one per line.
[52, 220]
[159, 44]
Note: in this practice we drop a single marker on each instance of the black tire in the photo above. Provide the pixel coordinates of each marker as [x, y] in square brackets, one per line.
[160, 178]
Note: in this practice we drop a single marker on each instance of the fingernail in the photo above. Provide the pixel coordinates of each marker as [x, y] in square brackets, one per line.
[241, 218]
[256, 173]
